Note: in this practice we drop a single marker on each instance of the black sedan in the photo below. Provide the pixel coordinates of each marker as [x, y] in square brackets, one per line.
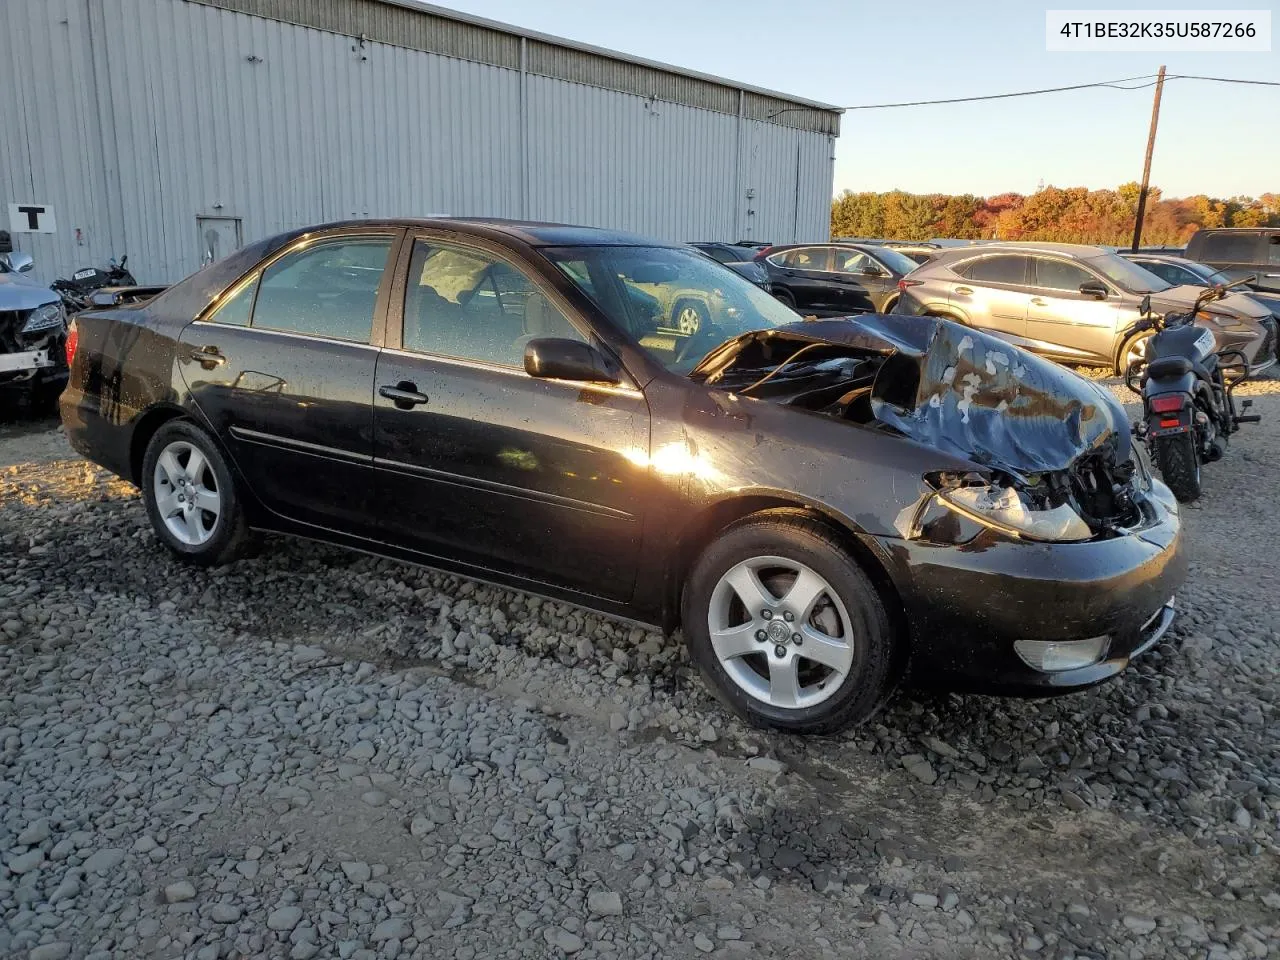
[822, 506]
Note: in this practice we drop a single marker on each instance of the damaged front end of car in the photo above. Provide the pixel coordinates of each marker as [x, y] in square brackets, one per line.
[31, 345]
[1052, 454]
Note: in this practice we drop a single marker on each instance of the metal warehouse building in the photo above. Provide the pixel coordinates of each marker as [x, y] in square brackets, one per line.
[174, 130]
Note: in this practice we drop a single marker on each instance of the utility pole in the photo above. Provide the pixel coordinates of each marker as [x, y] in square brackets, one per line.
[1146, 166]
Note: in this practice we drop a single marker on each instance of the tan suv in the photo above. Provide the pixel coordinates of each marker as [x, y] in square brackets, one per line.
[1069, 302]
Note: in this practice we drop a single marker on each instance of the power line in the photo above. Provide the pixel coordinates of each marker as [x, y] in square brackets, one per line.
[1115, 84]
[1112, 84]
[1188, 76]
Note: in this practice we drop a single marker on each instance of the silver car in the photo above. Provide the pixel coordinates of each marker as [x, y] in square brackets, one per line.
[33, 333]
[1070, 302]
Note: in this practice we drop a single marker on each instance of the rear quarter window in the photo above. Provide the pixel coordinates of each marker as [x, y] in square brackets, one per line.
[1229, 248]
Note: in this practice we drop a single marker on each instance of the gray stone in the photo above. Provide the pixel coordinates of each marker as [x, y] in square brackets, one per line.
[703, 943]
[566, 940]
[104, 861]
[285, 918]
[1139, 925]
[357, 872]
[50, 951]
[179, 892]
[604, 903]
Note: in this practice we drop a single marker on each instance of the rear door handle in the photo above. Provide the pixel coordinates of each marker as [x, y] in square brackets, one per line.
[208, 357]
[1036, 301]
[404, 394]
[964, 290]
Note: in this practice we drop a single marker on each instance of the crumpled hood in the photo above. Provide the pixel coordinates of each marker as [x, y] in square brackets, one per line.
[966, 393]
[1183, 298]
[20, 292]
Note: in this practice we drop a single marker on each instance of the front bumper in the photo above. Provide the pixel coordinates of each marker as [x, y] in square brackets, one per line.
[967, 604]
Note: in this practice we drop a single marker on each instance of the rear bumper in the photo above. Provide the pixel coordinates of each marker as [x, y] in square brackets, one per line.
[969, 604]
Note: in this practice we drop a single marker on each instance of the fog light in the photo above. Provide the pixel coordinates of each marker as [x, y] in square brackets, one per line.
[1054, 656]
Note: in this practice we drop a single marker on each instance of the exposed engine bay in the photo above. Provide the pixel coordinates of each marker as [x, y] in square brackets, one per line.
[1046, 437]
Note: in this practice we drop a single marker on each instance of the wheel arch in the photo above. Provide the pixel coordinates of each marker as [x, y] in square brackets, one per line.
[144, 429]
[716, 518]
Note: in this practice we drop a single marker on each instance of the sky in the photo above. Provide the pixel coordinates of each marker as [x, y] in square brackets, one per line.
[1219, 139]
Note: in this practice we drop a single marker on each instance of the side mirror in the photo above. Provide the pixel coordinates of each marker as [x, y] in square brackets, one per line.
[18, 262]
[1144, 307]
[1094, 288]
[554, 358]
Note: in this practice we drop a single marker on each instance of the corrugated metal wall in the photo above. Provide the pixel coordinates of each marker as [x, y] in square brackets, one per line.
[160, 111]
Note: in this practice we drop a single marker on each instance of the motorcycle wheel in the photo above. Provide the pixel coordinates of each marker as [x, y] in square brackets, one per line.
[1179, 464]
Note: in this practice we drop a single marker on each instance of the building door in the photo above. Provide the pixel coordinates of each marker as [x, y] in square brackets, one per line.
[219, 236]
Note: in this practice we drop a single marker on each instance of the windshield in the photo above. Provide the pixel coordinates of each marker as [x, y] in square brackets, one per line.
[895, 261]
[1128, 276]
[677, 304]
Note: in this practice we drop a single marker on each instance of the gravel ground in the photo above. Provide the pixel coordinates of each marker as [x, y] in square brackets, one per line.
[320, 754]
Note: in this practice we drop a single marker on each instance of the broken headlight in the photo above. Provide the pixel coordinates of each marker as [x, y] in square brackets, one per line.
[1005, 509]
[44, 318]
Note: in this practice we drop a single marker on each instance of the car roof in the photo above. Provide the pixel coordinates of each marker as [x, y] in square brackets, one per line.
[1075, 251]
[1167, 257]
[534, 233]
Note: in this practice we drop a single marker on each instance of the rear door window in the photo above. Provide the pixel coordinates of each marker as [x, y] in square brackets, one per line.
[1060, 275]
[1231, 248]
[805, 258]
[328, 289]
[1004, 269]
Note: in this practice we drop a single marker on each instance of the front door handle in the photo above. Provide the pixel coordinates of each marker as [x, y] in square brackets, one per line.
[208, 357]
[405, 394]
[1036, 301]
[964, 290]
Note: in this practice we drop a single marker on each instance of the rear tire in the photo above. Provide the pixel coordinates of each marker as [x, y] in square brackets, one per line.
[784, 296]
[190, 497]
[1179, 465]
[845, 663]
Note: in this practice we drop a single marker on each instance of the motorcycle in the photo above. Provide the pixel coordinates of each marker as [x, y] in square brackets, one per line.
[1188, 407]
[77, 292]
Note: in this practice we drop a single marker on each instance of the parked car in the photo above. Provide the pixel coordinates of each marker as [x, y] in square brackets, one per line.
[1069, 302]
[877, 267]
[817, 504]
[737, 257]
[33, 329]
[1180, 271]
[805, 278]
[1240, 251]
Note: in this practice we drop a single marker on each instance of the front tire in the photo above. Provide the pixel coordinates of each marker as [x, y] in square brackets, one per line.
[828, 658]
[190, 496]
[1179, 464]
[1133, 349]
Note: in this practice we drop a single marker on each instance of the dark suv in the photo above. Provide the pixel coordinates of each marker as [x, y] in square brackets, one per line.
[1240, 251]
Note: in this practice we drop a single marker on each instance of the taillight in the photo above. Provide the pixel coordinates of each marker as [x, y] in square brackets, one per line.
[1168, 404]
[73, 341]
[904, 283]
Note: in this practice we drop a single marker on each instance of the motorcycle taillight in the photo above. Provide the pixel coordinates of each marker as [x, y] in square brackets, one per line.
[73, 341]
[1168, 404]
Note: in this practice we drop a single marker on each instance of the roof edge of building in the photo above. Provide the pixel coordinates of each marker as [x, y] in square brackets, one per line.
[408, 23]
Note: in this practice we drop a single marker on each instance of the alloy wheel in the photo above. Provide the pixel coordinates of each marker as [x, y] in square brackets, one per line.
[688, 320]
[780, 632]
[186, 493]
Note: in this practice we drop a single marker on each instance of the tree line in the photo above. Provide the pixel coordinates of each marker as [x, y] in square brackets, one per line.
[1069, 215]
